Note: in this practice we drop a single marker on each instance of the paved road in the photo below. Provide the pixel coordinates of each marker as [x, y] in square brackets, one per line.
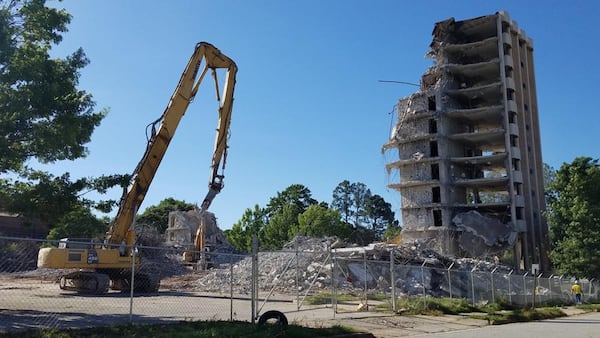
[583, 325]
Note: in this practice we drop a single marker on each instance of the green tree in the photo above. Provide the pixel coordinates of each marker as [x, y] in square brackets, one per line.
[282, 215]
[78, 223]
[342, 200]
[392, 232]
[350, 200]
[361, 235]
[157, 216]
[574, 218]
[379, 215]
[40, 195]
[279, 229]
[359, 211]
[318, 221]
[360, 196]
[549, 175]
[44, 115]
[549, 178]
[297, 196]
[252, 223]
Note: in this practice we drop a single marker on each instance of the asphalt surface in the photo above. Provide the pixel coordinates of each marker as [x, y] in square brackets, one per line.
[581, 325]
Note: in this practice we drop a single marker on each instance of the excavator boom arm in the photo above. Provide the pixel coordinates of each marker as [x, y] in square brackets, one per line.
[212, 59]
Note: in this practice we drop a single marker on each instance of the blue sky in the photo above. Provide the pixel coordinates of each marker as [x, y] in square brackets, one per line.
[309, 108]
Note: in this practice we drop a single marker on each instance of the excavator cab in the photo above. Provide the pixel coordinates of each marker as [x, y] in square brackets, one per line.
[79, 243]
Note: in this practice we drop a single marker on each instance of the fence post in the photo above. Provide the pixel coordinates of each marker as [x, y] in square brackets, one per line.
[366, 287]
[525, 287]
[550, 286]
[473, 286]
[254, 288]
[423, 283]
[133, 252]
[534, 291]
[333, 286]
[297, 275]
[537, 285]
[492, 276]
[450, 280]
[230, 287]
[509, 290]
[393, 280]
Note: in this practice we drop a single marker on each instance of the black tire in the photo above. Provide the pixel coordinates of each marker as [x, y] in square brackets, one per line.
[278, 316]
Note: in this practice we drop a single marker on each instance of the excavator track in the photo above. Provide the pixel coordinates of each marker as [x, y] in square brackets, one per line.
[92, 282]
[85, 282]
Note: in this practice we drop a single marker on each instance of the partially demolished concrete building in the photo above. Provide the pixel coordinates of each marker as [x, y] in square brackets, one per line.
[468, 145]
[183, 226]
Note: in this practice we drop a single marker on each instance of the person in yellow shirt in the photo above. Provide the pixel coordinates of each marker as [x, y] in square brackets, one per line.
[576, 291]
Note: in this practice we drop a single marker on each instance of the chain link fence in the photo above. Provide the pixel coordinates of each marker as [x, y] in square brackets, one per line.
[361, 282]
[232, 287]
[33, 298]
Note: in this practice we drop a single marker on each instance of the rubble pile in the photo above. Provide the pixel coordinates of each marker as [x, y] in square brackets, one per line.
[276, 269]
[161, 265]
[308, 264]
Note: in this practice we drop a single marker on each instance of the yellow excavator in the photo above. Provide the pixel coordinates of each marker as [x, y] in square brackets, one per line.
[100, 266]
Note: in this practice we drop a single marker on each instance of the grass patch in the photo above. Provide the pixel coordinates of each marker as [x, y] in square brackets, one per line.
[325, 298]
[431, 306]
[497, 313]
[378, 296]
[191, 329]
[500, 312]
[589, 307]
[521, 315]
[452, 306]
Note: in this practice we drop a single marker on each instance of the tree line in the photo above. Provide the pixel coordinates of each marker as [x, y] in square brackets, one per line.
[355, 215]
[573, 214]
[45, 117]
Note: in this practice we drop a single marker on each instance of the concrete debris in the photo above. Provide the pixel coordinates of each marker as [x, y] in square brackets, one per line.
[362, 307]
[482, 235]
[314, 269]
[279, 269]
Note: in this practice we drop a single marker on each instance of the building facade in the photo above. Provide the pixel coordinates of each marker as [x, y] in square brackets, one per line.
[468, 145]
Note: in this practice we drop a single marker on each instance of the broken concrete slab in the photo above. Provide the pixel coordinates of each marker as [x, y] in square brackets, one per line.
[483, 235]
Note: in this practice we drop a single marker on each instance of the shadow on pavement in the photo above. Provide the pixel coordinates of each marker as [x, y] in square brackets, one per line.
[14, 322]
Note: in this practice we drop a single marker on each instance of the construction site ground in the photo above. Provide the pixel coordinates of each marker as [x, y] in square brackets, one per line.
[29, 303]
